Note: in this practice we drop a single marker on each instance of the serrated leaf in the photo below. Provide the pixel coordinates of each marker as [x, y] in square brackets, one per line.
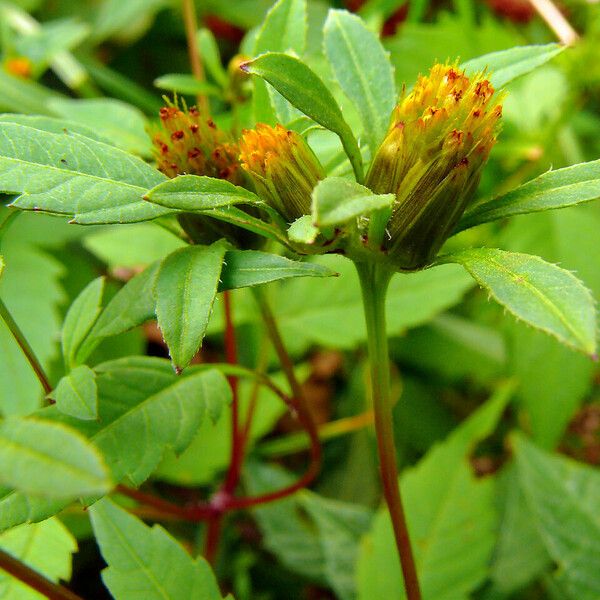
[17, 508]
[507, 65]
[185, 289]
[46, 547]
[131, 306]
[147, 563]
[243, 268]
[49, 459]
[552, 190]
[336, 201]
[77, 394]
[537, 292]
[73, 175]
[193, 193]
[145, 409]
[564, 497]
[183, 83]
[296, 82]
[444, 529]
[80, 318]
[363, 70]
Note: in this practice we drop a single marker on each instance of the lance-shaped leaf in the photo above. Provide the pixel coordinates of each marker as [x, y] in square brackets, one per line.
[337, 201]
[183, 83]
[363, 70]
[80, 318]
[554, 189]
[243, 268]
[77, 394]
[146, 562]
[131, 306]
[507, 65]
[299, 84]
[537, 292]
[49, 460]
[73, 175]
[186, 285]
[194, 193]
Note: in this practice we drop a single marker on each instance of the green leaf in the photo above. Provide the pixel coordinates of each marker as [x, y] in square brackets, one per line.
[507, 65]
[296, 82]
[183, 83]
[303, 231]
[17, 508]
[146, 562]
[537, 292]
[211, 57]
[21, 95]
[80, 319]
[77, 394]
[45, 547]
[131, 306]
[145, 409]
[243, 268]
[311, 311]
[363, 70]
[564, 497]
[337, 201]
[54, 125]
[49, 459]
[194, 193]
[118, 121]
[116, 17]
[73, 175]
[444, 528]
[284, 29]
[554, 189]
[185, 289]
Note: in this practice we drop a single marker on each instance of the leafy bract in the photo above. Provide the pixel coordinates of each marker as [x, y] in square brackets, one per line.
[363, 70]
[564, 497]
[74, 175]
[337, 200]
[305, 90]
[185, 289]
[50, 460]
[554, 189]
[506, 65]
[147, 563]
[193, 193]
[537, 292]
[243, 268]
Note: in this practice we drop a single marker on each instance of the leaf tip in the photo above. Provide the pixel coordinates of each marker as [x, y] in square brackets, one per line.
[245, 66]
[178, 370]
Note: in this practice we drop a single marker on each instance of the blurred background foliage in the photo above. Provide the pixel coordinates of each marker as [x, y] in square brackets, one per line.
[105, 64]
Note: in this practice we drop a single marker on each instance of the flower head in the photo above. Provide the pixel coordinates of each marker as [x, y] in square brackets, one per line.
[188, 142]
[283, 168]
[440, 136]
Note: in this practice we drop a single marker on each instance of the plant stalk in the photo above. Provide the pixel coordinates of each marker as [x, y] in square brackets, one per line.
[35, 580]
[191, 28]
[25, 347]
[374, 280]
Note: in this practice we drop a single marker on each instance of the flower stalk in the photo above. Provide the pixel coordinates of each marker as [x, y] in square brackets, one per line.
[374, 280]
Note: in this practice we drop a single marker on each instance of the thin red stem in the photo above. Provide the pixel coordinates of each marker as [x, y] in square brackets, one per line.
[213, 536]
[35, 580]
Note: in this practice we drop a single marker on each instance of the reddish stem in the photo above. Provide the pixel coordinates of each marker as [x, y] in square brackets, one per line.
[213, 536]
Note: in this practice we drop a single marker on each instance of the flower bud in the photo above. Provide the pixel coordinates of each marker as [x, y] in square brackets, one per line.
[189, 143]
[440, 136]
[283, 168]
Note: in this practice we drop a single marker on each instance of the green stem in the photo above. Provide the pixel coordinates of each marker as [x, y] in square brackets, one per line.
[374, 280]
[25, 347]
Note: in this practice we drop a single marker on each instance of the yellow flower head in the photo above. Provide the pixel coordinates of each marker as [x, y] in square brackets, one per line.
[439, 138]
[283, 168]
